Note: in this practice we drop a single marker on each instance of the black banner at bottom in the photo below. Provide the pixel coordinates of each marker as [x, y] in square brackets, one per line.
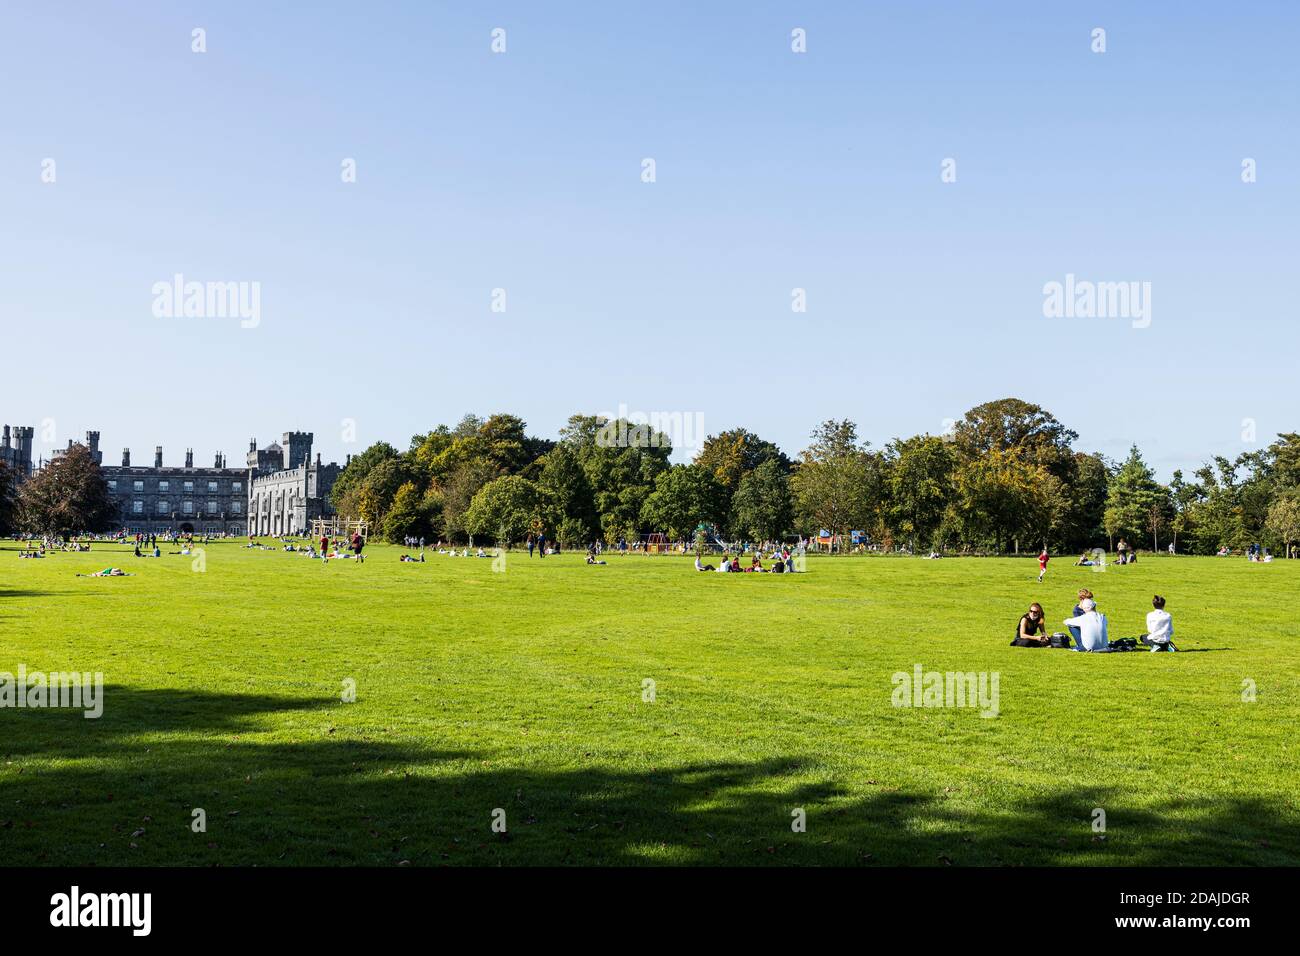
[336, 905]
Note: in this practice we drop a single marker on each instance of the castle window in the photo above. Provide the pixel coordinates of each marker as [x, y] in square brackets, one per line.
[187, 507]
[212, 487]
[137, 507]
[212, 507]
[137, 486]
[234, 507]
[189, 486]
[162, 506]
[164, 485]
[236, 487]
[112, 484]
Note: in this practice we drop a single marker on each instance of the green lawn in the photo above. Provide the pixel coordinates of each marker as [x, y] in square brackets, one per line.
[523, 691]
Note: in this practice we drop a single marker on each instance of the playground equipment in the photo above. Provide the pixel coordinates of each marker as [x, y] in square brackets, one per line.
[336, 527]
[657, 543]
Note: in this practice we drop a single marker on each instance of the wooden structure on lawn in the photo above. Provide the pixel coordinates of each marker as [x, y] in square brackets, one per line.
[657, 543]
[336, 527]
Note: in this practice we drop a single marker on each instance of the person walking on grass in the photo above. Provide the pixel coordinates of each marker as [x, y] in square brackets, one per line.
[1043, 558]
[357, 544]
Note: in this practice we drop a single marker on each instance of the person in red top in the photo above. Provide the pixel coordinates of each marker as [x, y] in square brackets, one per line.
[1042, 563]
[357, 544]
[325, 547]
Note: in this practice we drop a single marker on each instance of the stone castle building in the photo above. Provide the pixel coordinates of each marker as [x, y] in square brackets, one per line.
[171, 498]
[287, 489]
[279, 491]
[16, 449]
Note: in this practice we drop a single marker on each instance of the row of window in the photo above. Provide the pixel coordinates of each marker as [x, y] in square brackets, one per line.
[187, 507]
[236, 487]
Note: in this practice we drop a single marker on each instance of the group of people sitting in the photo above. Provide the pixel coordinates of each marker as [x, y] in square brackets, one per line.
[1089, 628]
[782, 563]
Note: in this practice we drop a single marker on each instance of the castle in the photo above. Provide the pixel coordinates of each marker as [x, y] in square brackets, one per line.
[279, 491]
[16, 449]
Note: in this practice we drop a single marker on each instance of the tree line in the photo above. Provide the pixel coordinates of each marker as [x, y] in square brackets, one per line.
[1006, 477]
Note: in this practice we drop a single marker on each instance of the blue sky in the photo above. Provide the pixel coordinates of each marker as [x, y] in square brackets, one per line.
[774, 171]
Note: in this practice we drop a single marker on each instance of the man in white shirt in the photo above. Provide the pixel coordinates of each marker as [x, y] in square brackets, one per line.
[1092, 627]
[1160, 627]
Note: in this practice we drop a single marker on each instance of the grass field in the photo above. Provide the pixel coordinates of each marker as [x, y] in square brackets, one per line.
[523, 691]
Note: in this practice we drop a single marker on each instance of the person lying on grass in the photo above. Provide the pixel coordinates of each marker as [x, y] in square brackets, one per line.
[1032, 629]
[106, 573]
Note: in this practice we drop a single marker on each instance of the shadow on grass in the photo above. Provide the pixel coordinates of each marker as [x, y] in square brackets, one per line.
[123, 793]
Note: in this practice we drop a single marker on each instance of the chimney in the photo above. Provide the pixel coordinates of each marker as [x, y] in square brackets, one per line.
[157, 456]
[189, 457]
[252, 444]
[6, 439]
[216, 462]
[126, 458]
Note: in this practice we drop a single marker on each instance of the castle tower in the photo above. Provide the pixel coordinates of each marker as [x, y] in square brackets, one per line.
[297, 448]
[92, 443]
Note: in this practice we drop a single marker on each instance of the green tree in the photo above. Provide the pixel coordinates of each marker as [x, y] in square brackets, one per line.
[837, 481]
[919, 479]
[684, 496]
[68, 496]
[1284, 518]
[1136, 504]
[761, 508]
[507, 508]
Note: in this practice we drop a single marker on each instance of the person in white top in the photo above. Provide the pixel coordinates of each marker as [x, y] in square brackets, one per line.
[1160, 627]
[725, 566]
[1092, 627]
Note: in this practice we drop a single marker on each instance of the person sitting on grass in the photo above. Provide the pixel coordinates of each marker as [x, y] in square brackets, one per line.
[1091, 625]
[701, 566]
[725, 566]
[756, 564]
[1032, 629]
[1160, 627]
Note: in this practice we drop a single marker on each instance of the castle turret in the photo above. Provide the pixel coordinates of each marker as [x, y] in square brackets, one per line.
[297, 448]
[92, 443]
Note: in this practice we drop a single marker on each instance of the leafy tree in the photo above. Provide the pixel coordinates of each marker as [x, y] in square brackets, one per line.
[458, 491]
[345, 494]
[507, 509]
[1136, 504]
[684, 496]
[69, 496]
[407, 516]
[838, 480]
[1012, 424]
[1002, 498]
[564, 481]
[731, 455]
[919, 481]
[621, 461]
[761, 508]
[1284, 518]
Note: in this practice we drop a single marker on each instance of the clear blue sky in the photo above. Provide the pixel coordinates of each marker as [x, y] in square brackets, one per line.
[774, 171]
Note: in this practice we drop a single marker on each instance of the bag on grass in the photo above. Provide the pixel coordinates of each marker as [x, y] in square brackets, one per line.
[1060, 640]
